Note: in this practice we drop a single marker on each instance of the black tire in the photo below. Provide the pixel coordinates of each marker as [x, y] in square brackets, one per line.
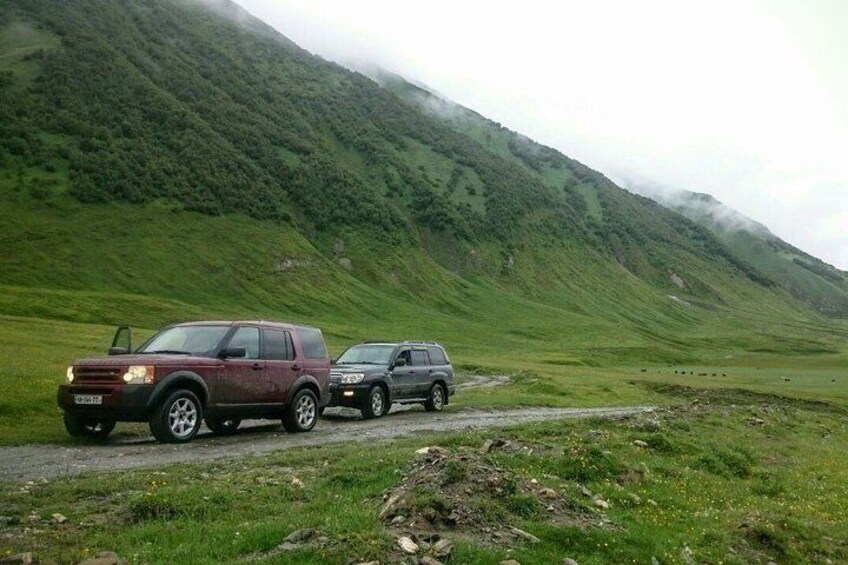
[435, 399]
[223, 426]
[92, 429]
[302, 412]
[321, 411]
[376, 405]
[177, 418]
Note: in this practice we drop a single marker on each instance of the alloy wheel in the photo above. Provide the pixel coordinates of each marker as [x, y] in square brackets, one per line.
[182, 417]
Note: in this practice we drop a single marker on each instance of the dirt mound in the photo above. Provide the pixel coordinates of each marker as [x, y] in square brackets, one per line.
[463, 493]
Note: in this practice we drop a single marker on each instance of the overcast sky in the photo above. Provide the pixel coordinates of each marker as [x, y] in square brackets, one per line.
[744, 100]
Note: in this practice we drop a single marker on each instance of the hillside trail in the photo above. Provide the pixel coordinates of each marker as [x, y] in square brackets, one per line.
[35, 462]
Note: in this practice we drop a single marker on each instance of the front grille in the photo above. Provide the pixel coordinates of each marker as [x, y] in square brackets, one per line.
[335, 376]
[97, 374]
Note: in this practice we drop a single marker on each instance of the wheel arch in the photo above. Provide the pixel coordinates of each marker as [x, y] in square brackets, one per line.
[180, 379]
[441, 382]
[305, 381]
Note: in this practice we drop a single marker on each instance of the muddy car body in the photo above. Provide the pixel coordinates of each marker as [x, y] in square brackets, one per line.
[222, 372]
[371, 376]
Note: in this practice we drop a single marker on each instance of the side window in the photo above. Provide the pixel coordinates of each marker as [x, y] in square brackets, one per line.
[405, 355]
[247, 337]
[419, 358]
[276, 345]
[437, 356]
[312, 342]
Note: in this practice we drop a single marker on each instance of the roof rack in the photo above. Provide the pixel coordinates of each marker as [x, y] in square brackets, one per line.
[405, 342]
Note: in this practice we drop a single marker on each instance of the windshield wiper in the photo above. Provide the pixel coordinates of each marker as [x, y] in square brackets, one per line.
[168, 352]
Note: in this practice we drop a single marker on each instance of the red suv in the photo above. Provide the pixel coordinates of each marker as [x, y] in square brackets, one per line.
[218, 371]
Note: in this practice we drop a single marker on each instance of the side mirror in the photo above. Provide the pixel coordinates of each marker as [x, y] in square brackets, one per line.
[400, 362]
[233, 353]
[122, 342]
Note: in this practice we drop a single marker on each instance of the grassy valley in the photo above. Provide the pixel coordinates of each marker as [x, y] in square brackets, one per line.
[168, 160]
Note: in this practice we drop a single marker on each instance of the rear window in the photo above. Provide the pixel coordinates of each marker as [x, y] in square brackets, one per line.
[437, 356]
[419, 358]
[277, 345]
[312, 343]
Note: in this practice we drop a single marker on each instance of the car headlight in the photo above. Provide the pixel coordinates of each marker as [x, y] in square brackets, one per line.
[70, 374]
[139, 374]
[352, 378]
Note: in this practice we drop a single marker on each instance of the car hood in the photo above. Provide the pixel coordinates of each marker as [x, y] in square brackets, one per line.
[137, 359]
[364, 368]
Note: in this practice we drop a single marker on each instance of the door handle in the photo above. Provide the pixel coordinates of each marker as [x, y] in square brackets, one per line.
[256, 366]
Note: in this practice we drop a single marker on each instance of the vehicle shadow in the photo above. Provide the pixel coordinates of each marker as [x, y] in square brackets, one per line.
[332, 416]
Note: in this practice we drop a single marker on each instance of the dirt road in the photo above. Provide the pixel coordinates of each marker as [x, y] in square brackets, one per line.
[32, 462]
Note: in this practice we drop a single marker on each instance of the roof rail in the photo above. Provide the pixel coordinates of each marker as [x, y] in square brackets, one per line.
[404, 342]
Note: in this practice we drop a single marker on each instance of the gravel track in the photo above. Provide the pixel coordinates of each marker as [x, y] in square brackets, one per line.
[33, 462]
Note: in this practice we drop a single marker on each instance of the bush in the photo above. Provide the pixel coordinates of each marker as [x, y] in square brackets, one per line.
[524, 505]
[726, 463]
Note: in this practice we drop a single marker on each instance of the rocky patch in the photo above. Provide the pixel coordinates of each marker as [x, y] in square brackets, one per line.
[447, 494]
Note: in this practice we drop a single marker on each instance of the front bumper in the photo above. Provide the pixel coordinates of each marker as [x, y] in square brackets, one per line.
[349, 395]
[120, 402]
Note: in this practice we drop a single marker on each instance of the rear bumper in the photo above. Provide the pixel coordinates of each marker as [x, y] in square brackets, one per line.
[119, 402]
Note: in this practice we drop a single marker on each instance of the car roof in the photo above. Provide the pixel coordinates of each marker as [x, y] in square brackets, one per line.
[287, 325]
[407, 342]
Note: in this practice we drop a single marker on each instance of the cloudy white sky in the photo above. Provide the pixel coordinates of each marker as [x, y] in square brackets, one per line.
[745, 100]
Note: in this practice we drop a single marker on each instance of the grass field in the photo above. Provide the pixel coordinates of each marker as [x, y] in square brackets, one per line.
[720, 485]
[710, 482]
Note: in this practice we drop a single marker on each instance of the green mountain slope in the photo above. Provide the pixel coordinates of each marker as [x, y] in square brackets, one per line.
[171, 159]
[805, 277]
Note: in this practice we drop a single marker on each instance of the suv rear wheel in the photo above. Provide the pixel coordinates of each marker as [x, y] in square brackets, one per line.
[302, 412]
[376, 405]
[436, 399]
[94, 429]
[223, 426]
[177, 419]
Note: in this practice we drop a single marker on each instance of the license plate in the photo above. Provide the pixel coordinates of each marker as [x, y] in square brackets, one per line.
[88, 399]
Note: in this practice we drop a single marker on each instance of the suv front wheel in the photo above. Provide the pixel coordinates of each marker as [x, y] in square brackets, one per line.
[376, 405]
[302, 412]
[436, 399]
[177, 419]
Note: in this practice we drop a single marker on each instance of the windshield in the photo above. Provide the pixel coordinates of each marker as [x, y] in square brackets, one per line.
[367, 354]
[201, 341]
